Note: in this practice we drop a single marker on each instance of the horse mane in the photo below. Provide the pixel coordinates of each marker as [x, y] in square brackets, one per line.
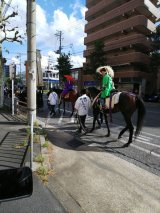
[94, 89]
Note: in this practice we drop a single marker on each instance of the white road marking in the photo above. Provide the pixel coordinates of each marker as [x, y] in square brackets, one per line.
[151, 144]
[153, 112]
[143, 138]
[60, 120]
[119, 126]
[142, 149]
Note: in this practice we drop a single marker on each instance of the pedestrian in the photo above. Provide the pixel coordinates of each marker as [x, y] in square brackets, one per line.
[52, 100]
[82, 106]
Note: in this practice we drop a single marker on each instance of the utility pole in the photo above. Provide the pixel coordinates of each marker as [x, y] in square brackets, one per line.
[31, 60]
[59, 36]
[1, 58]
[32, 69]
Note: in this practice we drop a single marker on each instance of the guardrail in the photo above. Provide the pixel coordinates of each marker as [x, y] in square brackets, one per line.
[21, 107]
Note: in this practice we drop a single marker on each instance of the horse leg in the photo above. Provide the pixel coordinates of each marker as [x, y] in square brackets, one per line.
[94, 122]
[131, 128]
[59, 105]
[101, 117]
[64, 111]
[72, 110]
[106, 121]
[122, 132]
[99, 123]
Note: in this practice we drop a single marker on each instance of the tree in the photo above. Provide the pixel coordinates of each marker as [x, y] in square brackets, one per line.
[97, 57]
[64, 65]
[7, 34]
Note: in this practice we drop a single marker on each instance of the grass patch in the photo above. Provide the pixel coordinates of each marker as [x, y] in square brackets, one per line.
[43, 172]
[36, 139]
[28, 130]
[36, 124]
[46, 144]
[39, 159]
[24, 143]
[21, 145]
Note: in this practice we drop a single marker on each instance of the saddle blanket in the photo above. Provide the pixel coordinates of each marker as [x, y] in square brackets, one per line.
[115, 100]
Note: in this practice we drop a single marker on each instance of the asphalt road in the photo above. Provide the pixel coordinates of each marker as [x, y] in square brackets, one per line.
[143, 152]
[97, 173]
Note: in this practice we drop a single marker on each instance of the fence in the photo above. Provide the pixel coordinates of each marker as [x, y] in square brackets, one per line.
[20, 106]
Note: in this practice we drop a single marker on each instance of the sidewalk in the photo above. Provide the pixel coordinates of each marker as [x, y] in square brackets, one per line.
[13, 135]
[14, 141]
[88, 179]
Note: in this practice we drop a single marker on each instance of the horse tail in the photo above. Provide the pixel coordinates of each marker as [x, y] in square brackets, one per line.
[141, 114]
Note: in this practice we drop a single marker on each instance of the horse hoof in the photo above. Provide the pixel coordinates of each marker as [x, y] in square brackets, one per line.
[125, 145]
[91, 130]
[107, 135]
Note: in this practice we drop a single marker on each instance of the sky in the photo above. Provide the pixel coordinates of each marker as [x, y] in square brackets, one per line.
[52, 16]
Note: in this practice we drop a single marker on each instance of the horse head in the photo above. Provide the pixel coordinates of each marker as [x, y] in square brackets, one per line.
[92, 92]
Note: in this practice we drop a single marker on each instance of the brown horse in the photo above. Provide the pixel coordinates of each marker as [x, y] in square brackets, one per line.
[127, 105]
[71, 97]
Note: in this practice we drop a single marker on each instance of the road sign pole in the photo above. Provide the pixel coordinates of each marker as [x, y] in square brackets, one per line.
[12, 96]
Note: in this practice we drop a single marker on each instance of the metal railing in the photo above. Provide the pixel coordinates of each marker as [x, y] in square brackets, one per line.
[21, 107]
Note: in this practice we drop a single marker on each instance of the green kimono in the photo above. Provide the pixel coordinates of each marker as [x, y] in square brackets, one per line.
[107, 86]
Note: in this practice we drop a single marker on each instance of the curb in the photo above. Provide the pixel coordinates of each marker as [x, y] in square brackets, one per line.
[67, 201]
[53, 186]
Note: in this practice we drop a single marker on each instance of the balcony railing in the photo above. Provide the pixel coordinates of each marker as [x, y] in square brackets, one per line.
[135, 57]
[138, 23]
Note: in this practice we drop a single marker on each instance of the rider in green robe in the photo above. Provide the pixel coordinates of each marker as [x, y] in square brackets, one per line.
[107, 84]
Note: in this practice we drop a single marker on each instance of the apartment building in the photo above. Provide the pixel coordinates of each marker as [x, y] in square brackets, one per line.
[125, 27]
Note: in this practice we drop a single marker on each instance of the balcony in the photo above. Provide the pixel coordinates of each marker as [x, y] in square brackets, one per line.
[150, 11]
[139, 7]
[138, 41]
[135, 57]
[132, 74]
[156, 2]
[102, 7]
[138, 23]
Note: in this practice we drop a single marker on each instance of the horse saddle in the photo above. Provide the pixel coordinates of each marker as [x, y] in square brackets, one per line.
[112, 100]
